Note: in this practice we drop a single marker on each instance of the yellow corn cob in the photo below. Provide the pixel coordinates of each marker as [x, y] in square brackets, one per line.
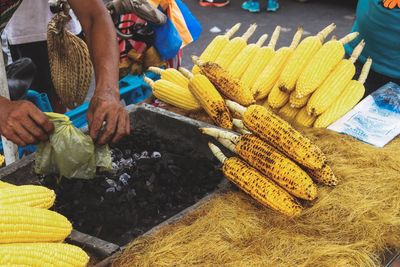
[2, 160]
[27, 195]
[288, 113]
[301, 57]
[171, 75]
[225, 83]
[270, 74]
[257, 185]
[215, 47]
[334, 85]
[268, 161]
[43, 255]
[324, 175]
[245, 58]
[298, 102]
[174, 94]
[20, 224]
[276, 98]
[304, 119]
[209, 98]
[262, 57]
[350, 96]
[5, 185]
[280, 134]
[321, 64]
[234, 47]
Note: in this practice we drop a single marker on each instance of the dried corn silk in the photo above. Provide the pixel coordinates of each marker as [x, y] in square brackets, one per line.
[349, 225]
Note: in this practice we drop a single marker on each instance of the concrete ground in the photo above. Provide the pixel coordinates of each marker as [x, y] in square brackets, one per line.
[313, 16]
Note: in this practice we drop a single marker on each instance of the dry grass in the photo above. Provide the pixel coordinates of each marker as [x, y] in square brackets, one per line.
[349, 225]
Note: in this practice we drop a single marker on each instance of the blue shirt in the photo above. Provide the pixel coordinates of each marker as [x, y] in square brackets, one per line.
[380, 28]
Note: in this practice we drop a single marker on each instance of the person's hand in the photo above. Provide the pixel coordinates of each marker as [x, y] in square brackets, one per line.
[106, 108]
[23, 123]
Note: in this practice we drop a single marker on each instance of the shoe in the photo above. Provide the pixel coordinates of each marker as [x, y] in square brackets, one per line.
[272, 5]
[214, 3]
[251, 6]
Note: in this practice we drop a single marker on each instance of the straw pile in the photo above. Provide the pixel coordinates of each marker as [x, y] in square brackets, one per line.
[349, 225]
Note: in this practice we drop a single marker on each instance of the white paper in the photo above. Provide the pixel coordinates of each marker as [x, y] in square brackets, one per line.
[376, 119]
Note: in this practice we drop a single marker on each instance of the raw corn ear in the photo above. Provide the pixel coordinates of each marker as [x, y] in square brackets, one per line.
[225, 83]
[257, 185]
[334, 85]
[288, 113]
[304, 119]
[280, 134]
[277, 98]
[234, 47]
[273, 69]
[351, 95]
[321, 65]
[324, 175]
[263, 56]
[174, 94]
[4, 184]
[27, 195]
[171, 75]
[301, 57]
[298, 102]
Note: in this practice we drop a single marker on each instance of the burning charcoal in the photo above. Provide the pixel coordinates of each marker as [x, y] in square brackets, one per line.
[124, 178]
[144, 155]
[116, 154]
[110, 190]
[156, 155]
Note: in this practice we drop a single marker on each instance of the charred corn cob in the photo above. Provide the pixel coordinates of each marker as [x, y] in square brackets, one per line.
[234, 47]
[20, 224]
[215, 47]
[4, 185]
[277, 98]
[321, 64]
[262, 57]
[351, 95]
[268, 161]
[334, 85]
[324, 175]
[225, 83]
[270, 74]
[209, 98]
[27, 195]
[174, 94]
[257, 185]
[172, 75]
[301, 57]
[245, 57]
[239, 127]
[298, 102]
[43, 255]
[280, 134]
[304, 119]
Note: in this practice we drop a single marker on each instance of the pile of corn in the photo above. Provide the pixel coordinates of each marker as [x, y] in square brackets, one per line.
[32, 235]
[276, 165]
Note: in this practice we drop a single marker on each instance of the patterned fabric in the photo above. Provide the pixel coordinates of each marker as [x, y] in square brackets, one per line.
[7, 9]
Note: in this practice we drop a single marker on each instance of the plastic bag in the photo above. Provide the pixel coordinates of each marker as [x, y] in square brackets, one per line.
[69, 152]
[167, 40]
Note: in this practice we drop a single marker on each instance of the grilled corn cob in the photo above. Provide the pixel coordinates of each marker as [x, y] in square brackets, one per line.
[280, 134]
[301, 57]
[245, 58]
[215, 47]
[43, 255]
[239, 127]
[268, 161]
[209, 98]
[334, 85]
[27, 195]
[262, 57]
[270, 74]
[298, 102]
[321, 64]
[20, 224]
[234, 47]
[288, 113]
[4, 184]
[276, 98]
[304, 119]
[324, 175]
[225, 83]
[172, 75]
[173, 94]
[351, 95]
[257, 185]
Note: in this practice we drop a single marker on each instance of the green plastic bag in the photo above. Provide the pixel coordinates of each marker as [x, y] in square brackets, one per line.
[69, 152]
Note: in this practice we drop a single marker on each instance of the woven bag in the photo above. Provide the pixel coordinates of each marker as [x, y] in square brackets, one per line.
[70, 64]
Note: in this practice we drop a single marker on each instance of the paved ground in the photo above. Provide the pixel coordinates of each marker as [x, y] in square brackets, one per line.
[313, 16]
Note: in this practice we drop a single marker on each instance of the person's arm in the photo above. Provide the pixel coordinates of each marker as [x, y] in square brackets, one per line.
[105, 105]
